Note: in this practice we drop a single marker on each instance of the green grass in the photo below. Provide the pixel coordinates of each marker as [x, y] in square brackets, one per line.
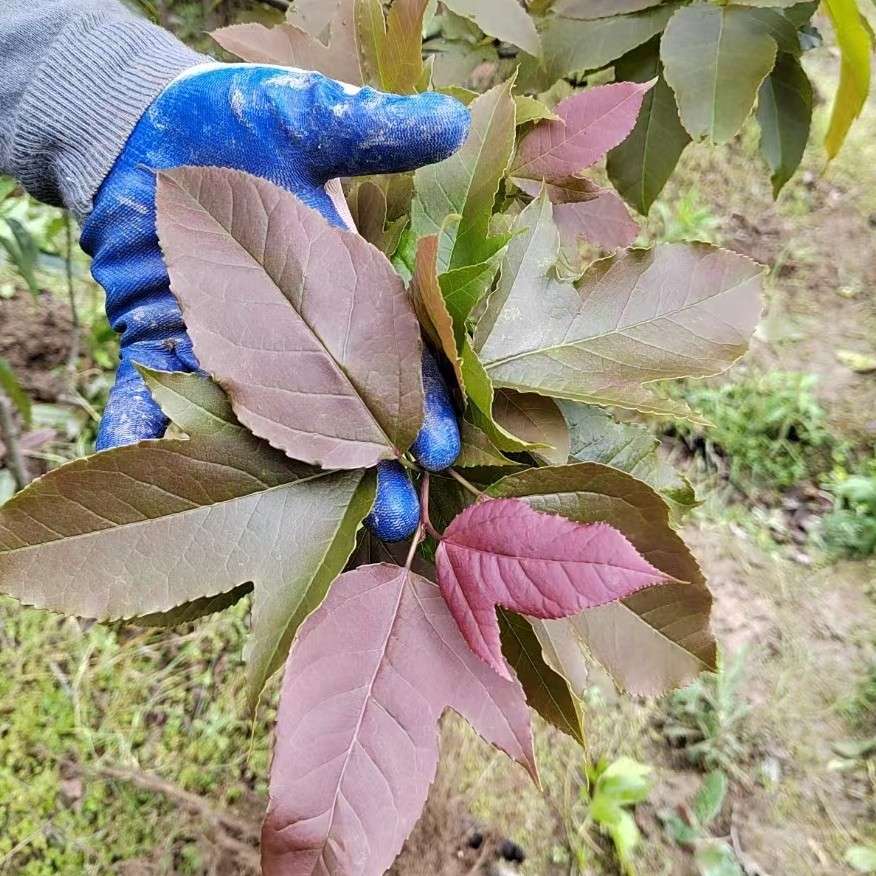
[76, 701]
[770, 431]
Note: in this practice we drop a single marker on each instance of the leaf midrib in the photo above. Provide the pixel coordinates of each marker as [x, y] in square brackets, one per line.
[96, 533]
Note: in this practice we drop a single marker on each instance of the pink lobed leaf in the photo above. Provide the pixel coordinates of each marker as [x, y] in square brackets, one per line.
[590, 123]
[502, 552]
[356, 744]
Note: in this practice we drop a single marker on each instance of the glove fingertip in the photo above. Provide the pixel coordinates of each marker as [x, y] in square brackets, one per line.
[438, 443]
[396, 512]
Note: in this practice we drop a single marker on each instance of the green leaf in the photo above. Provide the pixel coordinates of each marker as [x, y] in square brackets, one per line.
[163, 530]
[784, 111]
[640, 167]
[10, 385]
[503, 19]
[862, 859]
[466, 183]
[854, 86]
[572, 46]
[709, 800]
[678, 310]
[716, 858]
[715, 58]
[658, 638]
[597, 437]
[546, 690]
[391, 47]
[481, 395]
[477, 449]
[531, 109]
[626, 781]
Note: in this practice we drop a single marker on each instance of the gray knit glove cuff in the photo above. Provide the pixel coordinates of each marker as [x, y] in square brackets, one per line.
[99, 77]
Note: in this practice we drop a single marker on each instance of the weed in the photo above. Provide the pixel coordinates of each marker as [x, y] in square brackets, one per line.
[713, 857]
[850, 528]
[770, 429]
[706, 719]
[687, 218]
[608, 793]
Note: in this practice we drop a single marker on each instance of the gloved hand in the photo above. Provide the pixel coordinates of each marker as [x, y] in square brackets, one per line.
[300, 130]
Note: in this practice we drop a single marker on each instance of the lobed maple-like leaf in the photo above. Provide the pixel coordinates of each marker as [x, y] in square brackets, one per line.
[678, 310]
[166, 530]
[289, 45]
[356, 743]
[657, 638]
[501, 552]
[589, 124]
[307, 327]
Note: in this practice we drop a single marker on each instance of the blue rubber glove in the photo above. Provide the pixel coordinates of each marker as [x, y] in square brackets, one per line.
[300, 130]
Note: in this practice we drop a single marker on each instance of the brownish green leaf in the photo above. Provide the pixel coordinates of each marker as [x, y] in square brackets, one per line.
[477, 449]
[596, 437]
[536, 419]
[430, 306]
[657, 638]
[571, 46]
[391, 47]
[586, 211]
[291, 46]
[784, 111]
[162, 527]
[506, 20]
[546, 690]
[715, 59]
[678, 310]
[481, 395]
[642, 164]
[248, 263]
[466, 183]
[590, 9]
[855, 49]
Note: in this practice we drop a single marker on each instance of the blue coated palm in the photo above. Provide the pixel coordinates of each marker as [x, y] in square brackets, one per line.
[295, 128]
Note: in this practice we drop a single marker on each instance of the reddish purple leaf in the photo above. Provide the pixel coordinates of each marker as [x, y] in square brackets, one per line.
[357, 734]
[584, 209]
[307, 327]
[502, 552]
[590, 124]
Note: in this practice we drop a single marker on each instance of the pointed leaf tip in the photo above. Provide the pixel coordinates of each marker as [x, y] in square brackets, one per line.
[502, 552]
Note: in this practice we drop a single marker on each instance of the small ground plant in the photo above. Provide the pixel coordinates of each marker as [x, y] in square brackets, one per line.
[706, 719]
[769, 430]
[850, 528]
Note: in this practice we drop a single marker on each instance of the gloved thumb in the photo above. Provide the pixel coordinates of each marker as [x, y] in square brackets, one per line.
[363, 131]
